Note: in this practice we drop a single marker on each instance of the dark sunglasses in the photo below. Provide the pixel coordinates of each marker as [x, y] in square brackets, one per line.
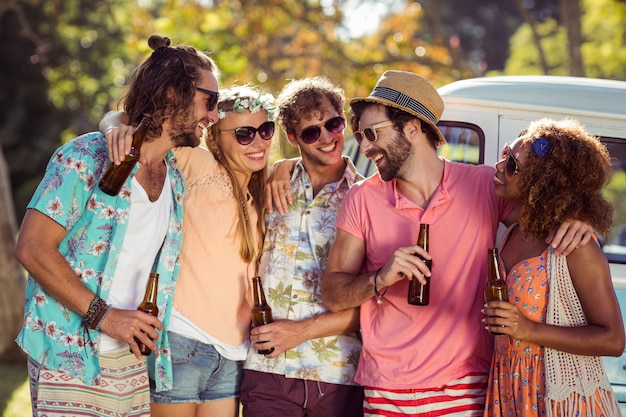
[212, 100]
[245, 134]
[369, 133]
[511, 165]
[312, 133]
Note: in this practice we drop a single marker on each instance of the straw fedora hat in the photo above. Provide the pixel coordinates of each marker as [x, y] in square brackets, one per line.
[409, 92]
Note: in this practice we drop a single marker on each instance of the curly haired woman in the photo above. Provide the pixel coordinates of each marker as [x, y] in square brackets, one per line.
[546, 362]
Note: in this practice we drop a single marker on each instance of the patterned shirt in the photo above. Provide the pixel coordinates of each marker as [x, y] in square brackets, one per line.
[96, 224]
[294, 258]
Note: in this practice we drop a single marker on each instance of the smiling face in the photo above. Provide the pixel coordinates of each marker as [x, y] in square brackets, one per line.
[326, 150]
[390, 150]
[204, 115]
[509, 171]
[244, 159]
[190, 134]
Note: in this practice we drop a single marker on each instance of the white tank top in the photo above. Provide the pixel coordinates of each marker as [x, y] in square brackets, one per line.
[147, 226]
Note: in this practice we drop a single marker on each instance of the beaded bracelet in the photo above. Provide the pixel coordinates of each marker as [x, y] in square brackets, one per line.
[378, 294]
[98, 308]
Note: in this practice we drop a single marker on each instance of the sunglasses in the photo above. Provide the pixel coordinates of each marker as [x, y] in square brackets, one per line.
[312, 133]
[245, 135]
[511, 166]
[212, 100]
[369, 133]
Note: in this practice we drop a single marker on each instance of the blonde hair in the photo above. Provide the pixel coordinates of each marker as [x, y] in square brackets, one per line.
[249, 249]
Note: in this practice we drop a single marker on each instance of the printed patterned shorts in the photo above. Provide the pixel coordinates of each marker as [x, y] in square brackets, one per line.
[123, 391]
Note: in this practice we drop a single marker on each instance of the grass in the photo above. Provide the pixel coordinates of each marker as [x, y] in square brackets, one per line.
[14, 389]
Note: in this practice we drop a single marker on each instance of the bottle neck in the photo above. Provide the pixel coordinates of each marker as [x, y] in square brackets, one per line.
[140, 134]
[494, 266]
[422, 238]
[259, 295]
[151, 288]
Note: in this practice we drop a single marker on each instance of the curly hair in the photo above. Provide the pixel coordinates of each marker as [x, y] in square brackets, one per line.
[163, 85]
[562, 179]
[256, 186]
[303, 98]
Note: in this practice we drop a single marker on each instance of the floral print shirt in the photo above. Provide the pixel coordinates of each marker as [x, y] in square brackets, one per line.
[294, 257]
[95, 222]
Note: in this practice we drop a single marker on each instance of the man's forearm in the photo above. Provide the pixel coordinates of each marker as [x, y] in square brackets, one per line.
[332, 324]
[341, 291]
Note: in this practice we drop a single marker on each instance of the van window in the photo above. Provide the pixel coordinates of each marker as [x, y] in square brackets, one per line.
[465, 142]
[614, 245]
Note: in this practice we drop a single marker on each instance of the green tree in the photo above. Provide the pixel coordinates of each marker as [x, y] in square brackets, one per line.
[602, 50]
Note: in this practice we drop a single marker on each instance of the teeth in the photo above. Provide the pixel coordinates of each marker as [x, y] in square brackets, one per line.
[376, 157]
[203, 127]
[498, 180]
[256, 155]
[329, 148]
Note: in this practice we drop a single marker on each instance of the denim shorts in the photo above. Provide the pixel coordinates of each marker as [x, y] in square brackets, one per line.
[200, 374]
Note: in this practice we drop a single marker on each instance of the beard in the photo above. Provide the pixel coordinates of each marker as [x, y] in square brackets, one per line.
[395, 158]
[184, 134]
[189, 139]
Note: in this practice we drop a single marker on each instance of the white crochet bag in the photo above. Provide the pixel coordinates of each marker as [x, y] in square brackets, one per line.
[567, 373]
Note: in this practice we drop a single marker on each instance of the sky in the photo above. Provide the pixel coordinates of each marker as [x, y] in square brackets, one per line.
[363, 16]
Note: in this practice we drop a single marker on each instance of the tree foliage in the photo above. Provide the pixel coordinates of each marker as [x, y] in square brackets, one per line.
[602, 49]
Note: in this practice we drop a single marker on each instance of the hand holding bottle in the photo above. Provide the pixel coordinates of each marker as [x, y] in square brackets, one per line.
[504, 318]
[118, 134]
[405, 262]
[115, 175]
[128, 325]
[119, 142]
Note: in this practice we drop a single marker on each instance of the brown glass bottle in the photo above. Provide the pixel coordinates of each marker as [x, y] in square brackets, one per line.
[495, 288]
[115, 175]
[261, 311]
[149, 305]
[419, 294]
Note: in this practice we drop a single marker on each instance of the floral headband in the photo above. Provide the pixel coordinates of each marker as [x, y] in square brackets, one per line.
[541, 146]
[263, 101]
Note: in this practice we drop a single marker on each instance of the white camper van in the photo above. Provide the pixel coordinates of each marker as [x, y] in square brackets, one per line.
[482, 114]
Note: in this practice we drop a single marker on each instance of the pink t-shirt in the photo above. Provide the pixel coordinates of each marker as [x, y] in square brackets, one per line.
[406, 346]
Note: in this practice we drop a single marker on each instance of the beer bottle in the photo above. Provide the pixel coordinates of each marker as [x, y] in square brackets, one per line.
[149, 305]
[495, 288]
[261, 311]
[419, 294]
[115, 175]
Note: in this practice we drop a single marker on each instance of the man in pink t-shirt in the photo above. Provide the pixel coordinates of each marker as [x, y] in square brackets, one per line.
[416, 359]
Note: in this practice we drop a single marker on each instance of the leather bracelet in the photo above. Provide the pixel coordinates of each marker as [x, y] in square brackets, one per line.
[104, 315]
[378, 294]
[95, 313]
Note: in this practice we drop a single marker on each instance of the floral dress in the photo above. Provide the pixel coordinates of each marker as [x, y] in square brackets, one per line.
[517, 378]
[517, 381]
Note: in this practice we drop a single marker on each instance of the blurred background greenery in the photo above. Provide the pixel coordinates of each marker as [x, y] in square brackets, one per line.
[64, 62]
